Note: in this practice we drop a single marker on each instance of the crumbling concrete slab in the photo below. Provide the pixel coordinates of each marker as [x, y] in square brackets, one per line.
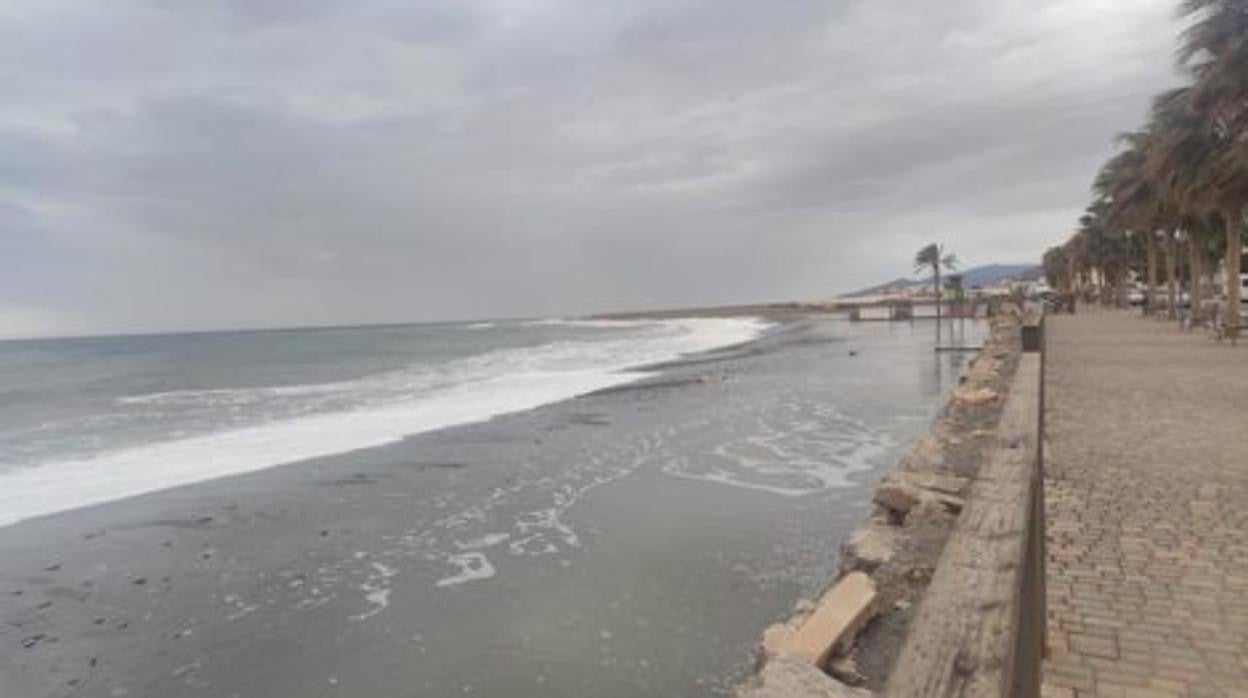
[841, 613]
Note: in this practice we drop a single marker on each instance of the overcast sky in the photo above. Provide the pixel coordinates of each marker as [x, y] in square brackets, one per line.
[238, 163]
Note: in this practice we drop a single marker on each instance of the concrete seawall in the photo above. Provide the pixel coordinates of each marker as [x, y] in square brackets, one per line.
[938, 586]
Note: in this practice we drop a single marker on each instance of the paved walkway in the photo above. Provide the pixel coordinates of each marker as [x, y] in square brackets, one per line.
[1147, 487]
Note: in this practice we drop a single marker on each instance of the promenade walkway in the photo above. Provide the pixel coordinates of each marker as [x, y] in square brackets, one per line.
[1147, 503]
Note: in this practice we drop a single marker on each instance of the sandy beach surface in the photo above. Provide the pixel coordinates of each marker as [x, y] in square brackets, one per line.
[630, 542]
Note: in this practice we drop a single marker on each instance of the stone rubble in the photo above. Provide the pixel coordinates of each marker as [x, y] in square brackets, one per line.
[899, 544]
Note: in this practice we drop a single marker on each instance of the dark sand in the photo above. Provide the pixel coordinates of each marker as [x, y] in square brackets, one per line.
[621, 567]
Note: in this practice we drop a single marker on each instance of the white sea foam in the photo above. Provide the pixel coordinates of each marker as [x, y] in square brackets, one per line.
[487, 541]
[472, 567]
[462, 392]
[790, 449]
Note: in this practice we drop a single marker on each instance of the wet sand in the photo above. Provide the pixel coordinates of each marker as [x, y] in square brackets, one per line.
[626, 543]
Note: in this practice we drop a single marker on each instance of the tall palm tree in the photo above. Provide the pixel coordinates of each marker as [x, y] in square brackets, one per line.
[1057, 268]
[1214, 47]
[1103, 251]
[1185, 175]
[1132, 204]
[1183, 143]
[933, 256]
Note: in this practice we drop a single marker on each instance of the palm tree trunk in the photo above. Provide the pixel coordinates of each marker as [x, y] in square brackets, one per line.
[936, 280]
[1193, 265]
[1150, 299]
[1172, 268]
[1234, 255]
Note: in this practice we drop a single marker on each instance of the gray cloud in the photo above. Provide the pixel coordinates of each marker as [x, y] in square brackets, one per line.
[168, 166]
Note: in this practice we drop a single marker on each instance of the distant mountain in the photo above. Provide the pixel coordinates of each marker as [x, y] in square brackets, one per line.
[996, 273]
[987, 275]
[898, 284]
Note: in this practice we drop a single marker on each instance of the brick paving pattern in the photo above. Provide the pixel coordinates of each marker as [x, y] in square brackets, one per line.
[1147, 504]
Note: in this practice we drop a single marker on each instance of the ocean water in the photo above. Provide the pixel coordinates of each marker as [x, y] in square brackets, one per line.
[91, 420]
[633, 541]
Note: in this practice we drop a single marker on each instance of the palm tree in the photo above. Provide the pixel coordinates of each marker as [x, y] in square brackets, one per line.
[1131, 202]
[1182, 144]
[1057, 266]
[1102, 251]
[1194, 232]
[933, 256]
[1213, 159]
[1182, 177]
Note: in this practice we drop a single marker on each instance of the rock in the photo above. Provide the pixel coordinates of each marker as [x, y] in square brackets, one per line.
[804, 607]
[868, 548]
[898, 497]
[926, 454]
[945, 484]
[845, 669]
[935, 511]
[791, 677]
[775, 637]
[952, 503]
[975, 396]
[986, 366]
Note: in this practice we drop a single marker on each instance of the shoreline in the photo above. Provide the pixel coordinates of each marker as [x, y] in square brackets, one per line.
[898, 545]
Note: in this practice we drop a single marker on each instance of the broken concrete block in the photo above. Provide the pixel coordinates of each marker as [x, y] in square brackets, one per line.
[975, 396]
[841, 613]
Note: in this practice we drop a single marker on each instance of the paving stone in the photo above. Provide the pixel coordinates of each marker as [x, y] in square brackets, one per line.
[1147, 510]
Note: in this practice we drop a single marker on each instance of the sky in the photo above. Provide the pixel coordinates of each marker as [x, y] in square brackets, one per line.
[167, 165]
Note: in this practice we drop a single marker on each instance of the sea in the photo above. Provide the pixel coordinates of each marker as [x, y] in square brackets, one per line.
[552, 507]
[90, 420]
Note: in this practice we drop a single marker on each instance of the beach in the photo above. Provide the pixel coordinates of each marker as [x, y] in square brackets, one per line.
[629, 541]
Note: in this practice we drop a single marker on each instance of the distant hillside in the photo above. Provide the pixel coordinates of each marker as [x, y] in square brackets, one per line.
[987, 275]
[885, 288]
[996, 273]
